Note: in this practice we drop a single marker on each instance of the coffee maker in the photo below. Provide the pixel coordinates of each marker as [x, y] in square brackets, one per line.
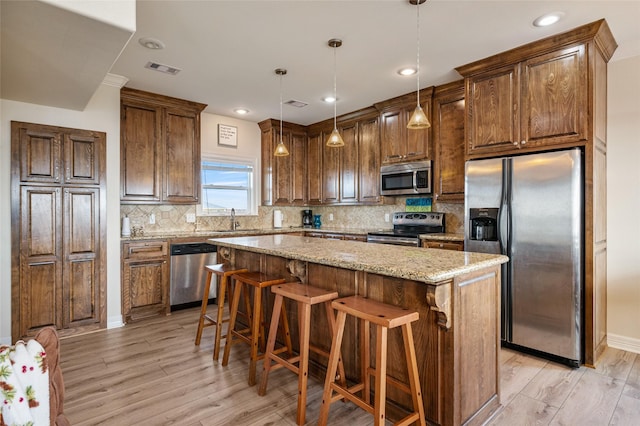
[307, 219]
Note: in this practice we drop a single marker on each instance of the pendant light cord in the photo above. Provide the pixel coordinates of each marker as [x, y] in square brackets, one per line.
[418, 52]
[335, 89]
[281, 107]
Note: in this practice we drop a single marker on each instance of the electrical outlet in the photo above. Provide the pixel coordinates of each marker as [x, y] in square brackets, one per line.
[386, 217]
[152, 219]
[191, 217]
[330, 216]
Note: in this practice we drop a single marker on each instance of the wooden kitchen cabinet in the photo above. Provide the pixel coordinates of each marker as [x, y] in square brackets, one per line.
[159, 149]
[448, 141]
[369, 160]
[145, 279]
[315, 144]
[283, 178]
[537, 103]
[58, 229]
[399, 144]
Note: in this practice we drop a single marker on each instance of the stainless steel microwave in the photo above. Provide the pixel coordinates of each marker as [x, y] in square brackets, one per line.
[406, 178]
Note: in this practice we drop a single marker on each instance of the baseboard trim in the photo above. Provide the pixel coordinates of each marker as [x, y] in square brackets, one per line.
[622, 342]
[115, 322]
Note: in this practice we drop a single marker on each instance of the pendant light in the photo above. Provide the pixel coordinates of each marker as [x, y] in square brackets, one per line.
[418, 119]
[335, 140]
[281, 149]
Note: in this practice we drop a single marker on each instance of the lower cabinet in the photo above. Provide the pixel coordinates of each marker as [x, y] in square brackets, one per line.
[145, 279]
[446, 245]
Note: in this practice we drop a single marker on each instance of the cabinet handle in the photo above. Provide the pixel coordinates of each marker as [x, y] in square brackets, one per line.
[515, 143]
[523, 142]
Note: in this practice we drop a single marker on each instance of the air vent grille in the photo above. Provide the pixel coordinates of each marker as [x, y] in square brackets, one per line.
[162, 68]
[297, 104]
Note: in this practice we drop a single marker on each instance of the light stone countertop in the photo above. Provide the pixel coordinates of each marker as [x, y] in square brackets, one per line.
[413, 263]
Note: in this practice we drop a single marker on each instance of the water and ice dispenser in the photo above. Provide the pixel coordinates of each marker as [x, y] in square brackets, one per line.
[484, 224]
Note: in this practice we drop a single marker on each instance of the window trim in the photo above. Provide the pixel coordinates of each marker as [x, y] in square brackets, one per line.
[252, 209]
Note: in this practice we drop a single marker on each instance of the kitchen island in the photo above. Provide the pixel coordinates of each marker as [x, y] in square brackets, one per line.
[457, 295]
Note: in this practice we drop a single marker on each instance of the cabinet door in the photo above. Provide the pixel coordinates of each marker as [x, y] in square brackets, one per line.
[369, 161]
[267, 167]
[392, 130]
[348, 164]
[448, 131]
[40, 153]
[493, 122]
[41, 263]
[282, 178]
[181, 152]
[315, 146]
[81, 250]
[140, 153]
[82, 162]
[330, 174]
[554, 98]
[298, 152]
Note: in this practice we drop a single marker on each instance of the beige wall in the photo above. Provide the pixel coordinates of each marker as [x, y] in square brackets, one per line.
[623, 188]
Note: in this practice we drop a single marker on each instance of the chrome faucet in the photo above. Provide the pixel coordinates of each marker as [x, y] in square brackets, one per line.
[234, 224]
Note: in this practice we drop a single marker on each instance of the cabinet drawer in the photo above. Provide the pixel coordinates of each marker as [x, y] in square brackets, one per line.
[145, 250]
[450, 245]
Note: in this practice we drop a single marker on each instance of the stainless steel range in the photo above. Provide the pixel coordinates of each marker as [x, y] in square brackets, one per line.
[407, 227]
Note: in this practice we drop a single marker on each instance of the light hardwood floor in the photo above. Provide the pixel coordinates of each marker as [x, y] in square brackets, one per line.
[151, 373]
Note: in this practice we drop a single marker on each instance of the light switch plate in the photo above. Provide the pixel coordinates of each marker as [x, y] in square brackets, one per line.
[191, 217]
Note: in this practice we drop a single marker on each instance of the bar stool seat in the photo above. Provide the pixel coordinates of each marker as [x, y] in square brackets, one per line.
[224, 271]
[255, 332]
[384, 317]
[305, 296]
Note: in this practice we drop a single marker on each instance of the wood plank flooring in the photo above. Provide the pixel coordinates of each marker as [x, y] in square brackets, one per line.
[151, 373]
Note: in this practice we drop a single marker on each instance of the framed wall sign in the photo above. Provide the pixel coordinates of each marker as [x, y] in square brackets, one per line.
[227, 135]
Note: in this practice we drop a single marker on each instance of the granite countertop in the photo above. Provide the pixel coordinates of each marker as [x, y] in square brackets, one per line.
[413, 263]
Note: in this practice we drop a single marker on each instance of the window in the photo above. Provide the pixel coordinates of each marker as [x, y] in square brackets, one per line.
[226, 184]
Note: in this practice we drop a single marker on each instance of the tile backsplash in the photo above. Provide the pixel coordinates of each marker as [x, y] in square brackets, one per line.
[173, 218]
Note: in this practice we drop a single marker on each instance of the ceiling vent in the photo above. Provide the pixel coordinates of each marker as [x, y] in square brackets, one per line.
[297, 104]
[162, 68]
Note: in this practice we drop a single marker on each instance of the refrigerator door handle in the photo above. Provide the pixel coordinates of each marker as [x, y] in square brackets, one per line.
[504, 215]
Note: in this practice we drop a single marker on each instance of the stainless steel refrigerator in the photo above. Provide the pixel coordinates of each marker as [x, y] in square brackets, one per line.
[530, 208]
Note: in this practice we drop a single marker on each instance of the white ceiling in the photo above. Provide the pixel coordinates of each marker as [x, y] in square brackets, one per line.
[228, 50]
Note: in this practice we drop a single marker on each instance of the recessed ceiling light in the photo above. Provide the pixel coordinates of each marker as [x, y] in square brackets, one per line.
[241, 111]
[151, 43]
[407, 71]
[329, 99]
[548, 19]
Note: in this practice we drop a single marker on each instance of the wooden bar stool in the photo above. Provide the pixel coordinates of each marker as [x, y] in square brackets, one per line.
[253, 334]
[305, 296]
[224, 272]
[384, 317]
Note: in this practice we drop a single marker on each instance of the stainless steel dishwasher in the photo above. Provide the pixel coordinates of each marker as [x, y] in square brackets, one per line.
[188, 275]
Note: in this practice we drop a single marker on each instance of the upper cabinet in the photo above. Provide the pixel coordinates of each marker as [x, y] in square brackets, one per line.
[448, 142]
[51, 156]
[159, 149]
[533, 98]
[283, 178]
[399, 144]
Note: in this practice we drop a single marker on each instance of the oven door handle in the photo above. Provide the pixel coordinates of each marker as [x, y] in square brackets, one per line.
[398, 241]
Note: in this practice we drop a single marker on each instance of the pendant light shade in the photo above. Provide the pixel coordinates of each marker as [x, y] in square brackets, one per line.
[335, 140]
[418, 119]
[281, 148]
